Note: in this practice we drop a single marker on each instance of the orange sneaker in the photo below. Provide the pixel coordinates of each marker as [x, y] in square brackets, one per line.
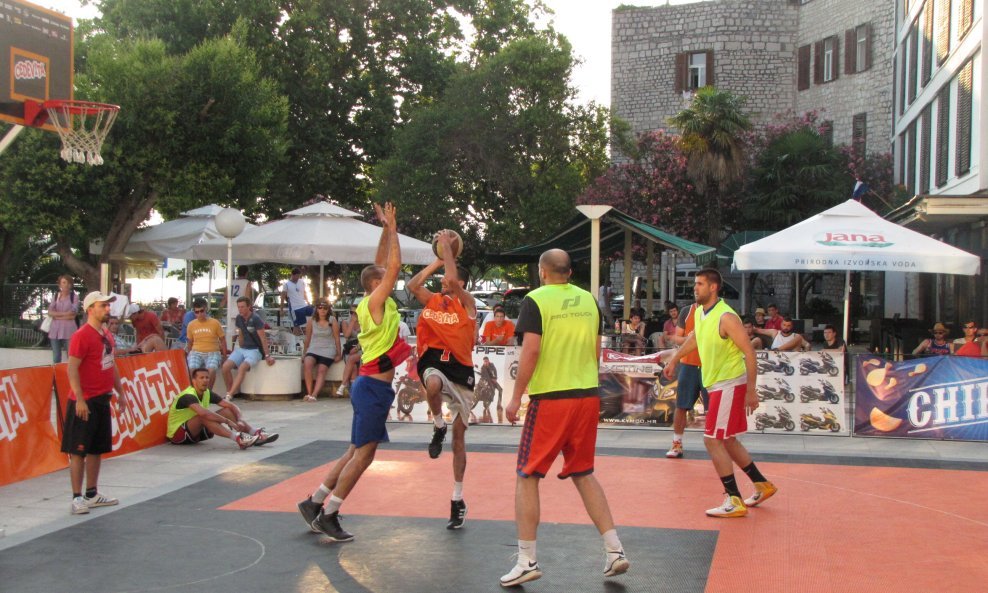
[763, 492]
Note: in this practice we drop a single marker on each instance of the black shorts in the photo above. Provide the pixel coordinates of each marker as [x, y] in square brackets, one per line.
[456, 372]
[88, 437]
[328, 362]
[183, 436]
[349, 345]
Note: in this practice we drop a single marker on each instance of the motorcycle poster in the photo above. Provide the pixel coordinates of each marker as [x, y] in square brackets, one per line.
[800, 393]
[937, 397]
[495, 369]
[633, 392]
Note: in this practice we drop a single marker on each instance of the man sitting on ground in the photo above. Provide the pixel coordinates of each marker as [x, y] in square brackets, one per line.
[191, 421]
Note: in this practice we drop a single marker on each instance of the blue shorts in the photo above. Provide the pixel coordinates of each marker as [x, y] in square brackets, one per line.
[371, 400]
[208, 360]
[251, 356]
[689, 387]
[300, 316]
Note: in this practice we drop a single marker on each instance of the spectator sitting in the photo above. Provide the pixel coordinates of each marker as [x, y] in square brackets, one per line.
[938, 344]
[759, 318]
[633, 332]
[147, 326]
[831, 341]
[191, 421]
[123, 345]
[173, 314]
[669, 327]
[774, 320]
[206, 341]
[970, 344]
[785, 339]
[251, 349]
[749, 328]
[500, 331]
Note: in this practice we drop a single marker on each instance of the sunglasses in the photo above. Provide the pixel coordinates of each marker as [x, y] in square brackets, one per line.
[198, 311]
[322, 307]
[107, 346]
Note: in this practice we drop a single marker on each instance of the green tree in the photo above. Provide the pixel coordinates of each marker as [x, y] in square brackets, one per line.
[502, 155]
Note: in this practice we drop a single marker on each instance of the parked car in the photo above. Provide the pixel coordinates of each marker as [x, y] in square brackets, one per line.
[512, 301]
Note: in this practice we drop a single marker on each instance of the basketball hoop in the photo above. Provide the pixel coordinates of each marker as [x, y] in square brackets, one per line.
[82, 126]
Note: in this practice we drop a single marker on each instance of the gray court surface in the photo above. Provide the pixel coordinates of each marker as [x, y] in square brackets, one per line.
[181, 542]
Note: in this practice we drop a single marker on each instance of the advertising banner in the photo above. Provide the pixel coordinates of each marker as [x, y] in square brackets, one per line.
[151, 382]
[803, 390]
[632, 394]
[495, 369]
[940, 397]
[29, 444]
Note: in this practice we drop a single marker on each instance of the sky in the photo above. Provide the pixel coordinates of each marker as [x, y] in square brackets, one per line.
[586, 23]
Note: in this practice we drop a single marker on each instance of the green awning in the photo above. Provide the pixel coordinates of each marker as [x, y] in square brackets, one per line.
[574, 238]
[725, 253]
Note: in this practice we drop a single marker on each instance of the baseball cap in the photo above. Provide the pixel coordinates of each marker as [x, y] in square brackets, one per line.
[760, 310]
[131, 309]
[96, 297]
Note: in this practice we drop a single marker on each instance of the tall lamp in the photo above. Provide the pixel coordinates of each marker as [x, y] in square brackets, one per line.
[230, 223]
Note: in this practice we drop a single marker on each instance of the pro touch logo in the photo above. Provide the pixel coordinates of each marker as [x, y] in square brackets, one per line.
[852, 239]
[12, 412]
[573, 302]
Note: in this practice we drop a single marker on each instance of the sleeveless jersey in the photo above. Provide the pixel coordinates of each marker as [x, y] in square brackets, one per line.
[445, 325]
[567, 365]
[722, 359]
[693, 358]
[377, 339]
[179, 416]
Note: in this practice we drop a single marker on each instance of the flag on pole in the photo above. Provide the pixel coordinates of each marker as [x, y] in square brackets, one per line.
[860, 189]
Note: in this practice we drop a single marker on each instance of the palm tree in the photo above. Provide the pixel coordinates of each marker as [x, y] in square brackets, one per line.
[712, 132]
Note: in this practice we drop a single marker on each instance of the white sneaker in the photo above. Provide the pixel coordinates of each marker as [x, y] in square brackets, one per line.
[246, 440]
[341, 391]
[732, 507]
[79, 506]
[521, 573]
[100, 501]
[615, 563]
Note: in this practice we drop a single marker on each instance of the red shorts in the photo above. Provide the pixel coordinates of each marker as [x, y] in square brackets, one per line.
[397, 354]
[726, 417]
[183, 436]
[554, 425]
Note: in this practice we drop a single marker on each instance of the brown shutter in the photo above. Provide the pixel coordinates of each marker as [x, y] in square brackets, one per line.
[902, 79]
[965, 79]
[943, 30]
[927, 42]
[967, 17]
[818, 62]
[911, 160]
[803, 65]
[859, 133]
[913, 55]
[827, 133]
[943, 134]
[869, 41]
[850, 50]
[836, 62]
[710, 67]
[926, 128]
[679, 84]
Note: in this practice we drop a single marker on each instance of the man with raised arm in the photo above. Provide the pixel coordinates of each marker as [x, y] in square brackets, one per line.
[560, 350]
[371, 395]
[729, 371]
[446, 330]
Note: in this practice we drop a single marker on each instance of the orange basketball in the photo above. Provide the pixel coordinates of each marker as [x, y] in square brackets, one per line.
[457, 244]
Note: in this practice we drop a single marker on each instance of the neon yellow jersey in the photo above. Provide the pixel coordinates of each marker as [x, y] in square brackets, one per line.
[179, 416]
[720, 357]
[568, 319]
[375, 339]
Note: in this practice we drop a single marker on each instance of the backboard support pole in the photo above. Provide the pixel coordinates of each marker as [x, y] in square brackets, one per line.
[9, 137]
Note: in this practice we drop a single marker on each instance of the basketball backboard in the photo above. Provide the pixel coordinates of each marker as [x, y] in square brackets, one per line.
[36, 59]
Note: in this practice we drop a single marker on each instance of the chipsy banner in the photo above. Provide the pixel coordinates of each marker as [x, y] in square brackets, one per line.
[942, 397]
[495, 369]
[29, 444]
[151, 382]
[803, 390]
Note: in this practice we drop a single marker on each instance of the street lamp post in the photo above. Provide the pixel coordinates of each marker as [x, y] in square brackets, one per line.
[230, 223]
[594, 213]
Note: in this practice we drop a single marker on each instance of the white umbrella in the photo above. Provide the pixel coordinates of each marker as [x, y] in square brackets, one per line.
[176, 238]
[317, 234]
[850, 237]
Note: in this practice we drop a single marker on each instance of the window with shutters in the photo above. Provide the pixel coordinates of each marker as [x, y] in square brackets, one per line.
[829, 51]
[694, 70]
[927, 44]
[966, 15]
[942, 17]
[697, 77]
[943, 134]
[803, 68]
[862, 46]
[913, 55]
[911, 160]
[859, 133]
[926, 128]
[827, 132]
[964, 112]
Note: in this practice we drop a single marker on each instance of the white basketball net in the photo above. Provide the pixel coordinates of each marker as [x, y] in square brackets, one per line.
[82, 128]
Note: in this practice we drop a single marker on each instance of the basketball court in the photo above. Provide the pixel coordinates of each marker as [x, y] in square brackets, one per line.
[862, 527]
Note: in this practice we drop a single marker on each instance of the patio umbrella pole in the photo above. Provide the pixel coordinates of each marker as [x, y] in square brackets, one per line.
[322, 281]
[847, 304]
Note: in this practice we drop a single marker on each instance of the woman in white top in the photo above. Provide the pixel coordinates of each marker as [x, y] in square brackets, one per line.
[321, 348]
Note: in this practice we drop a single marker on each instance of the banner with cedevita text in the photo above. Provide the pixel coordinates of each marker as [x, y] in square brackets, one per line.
[151, 382]
[29, 444]
[938, 397]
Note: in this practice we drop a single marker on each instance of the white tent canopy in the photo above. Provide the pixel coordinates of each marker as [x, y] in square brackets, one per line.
[176, 238]
[316, 234]
[850, 237]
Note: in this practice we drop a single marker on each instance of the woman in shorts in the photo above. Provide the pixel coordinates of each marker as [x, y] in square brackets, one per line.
[321, 348]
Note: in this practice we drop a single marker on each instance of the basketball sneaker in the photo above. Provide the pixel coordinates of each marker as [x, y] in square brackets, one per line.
[100, 500]
[264, 438]
[329, 525]
[522, 573]
[732, 507]
[457, 514]
[246, 440]
[310, 510]
[615, 563]
[438, 436]
[676, 451]
[763, 492]
[79, 506]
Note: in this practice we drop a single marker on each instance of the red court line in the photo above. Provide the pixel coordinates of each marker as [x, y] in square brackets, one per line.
[830, 528]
